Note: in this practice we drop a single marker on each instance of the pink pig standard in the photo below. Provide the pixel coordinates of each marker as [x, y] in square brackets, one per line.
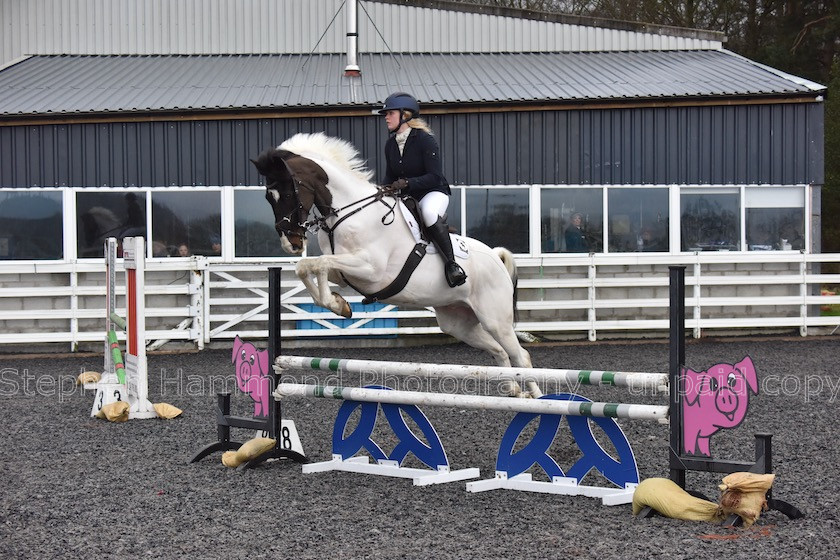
[252, 374]
[715, 399]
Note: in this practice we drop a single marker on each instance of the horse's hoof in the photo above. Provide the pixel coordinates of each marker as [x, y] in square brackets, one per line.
[513, 389]
[534, 391]
[345, 310]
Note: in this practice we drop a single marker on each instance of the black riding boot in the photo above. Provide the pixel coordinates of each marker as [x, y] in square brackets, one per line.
[439, 232]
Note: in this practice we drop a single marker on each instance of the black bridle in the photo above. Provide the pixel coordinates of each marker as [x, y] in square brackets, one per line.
[324, 212]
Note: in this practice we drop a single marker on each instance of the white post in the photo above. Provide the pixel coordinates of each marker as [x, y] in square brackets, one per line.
[135, 390]
[136, 372]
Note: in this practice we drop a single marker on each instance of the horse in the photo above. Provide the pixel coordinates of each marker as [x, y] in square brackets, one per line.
[366, 242]
[99, 223]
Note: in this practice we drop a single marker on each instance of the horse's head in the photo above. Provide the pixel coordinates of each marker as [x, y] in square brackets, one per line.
[293, 185]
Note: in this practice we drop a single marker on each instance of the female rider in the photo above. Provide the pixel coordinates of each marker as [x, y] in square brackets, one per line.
[413, 167]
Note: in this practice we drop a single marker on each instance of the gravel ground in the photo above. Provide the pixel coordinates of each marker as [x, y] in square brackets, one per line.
[77, 487]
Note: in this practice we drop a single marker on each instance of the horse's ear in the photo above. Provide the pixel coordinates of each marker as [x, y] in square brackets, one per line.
[263, 163]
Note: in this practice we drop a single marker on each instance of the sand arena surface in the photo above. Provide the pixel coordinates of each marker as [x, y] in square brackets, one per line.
[77, 487]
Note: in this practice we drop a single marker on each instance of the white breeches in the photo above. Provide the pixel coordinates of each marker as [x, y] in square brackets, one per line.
[433, 206]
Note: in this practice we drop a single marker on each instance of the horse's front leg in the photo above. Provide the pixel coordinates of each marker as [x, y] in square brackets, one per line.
[314, 272]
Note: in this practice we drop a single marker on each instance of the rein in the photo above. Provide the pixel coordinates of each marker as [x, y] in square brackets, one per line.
[320, 222]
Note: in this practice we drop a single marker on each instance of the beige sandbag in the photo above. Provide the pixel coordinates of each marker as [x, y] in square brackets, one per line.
[231, 459]
[167, 411]
[745, 494]
[251, 449]
[115, 411]
[88, 377]
[665, 496]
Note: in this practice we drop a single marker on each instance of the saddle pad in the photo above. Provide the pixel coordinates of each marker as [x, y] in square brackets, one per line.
[459, 244]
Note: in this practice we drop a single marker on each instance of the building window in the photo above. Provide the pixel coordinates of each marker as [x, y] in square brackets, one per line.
[31, 225]
[638, 219]
[186, 223]
[108, 214]
[454, 212]
[498, 217]
[710, 220]
[572, 220]
[254, 232]
[775, 218]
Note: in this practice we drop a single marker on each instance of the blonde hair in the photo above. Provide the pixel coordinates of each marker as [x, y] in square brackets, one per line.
[417, 122]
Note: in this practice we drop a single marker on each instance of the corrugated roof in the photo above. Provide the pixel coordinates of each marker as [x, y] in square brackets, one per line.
[60, 85]
[132, 27]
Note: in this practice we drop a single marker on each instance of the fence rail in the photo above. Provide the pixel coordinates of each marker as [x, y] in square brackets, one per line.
[201, 302]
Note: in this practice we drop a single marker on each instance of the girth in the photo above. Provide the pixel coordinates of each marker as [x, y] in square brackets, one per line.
[395, 287]
[410, 265]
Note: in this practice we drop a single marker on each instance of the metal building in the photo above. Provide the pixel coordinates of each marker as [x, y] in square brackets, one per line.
[670, 147]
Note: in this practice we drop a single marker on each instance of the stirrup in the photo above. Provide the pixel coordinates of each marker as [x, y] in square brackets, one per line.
[455, 275]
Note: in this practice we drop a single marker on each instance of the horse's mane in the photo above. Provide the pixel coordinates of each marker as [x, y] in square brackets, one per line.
[336, 150]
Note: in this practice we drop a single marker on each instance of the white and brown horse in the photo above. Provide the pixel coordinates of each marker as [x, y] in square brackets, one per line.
[315, 181]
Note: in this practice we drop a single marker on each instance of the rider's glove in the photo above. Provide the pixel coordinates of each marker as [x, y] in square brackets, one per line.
[395, 187]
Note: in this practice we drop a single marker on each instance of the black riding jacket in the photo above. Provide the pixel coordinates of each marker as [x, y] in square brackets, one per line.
[419, 163]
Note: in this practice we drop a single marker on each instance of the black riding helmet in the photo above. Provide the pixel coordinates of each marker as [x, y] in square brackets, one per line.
[401, 101]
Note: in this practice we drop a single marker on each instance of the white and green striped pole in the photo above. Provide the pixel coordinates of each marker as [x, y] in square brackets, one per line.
[478, 402]
[656, 382]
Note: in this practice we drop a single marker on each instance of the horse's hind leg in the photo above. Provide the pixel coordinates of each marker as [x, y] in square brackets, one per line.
[502, 332]
[462, 323]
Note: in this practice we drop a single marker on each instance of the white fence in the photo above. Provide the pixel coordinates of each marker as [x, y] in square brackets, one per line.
[198, 302]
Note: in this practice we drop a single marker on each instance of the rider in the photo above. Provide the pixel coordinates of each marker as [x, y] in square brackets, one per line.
[413, 166]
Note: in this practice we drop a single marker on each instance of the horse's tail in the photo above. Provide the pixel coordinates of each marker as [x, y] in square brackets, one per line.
[510, 264]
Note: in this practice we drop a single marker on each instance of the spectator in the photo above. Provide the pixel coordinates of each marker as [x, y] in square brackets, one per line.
[575, 239]
[159, 249]
[134, 212]
[215, 245]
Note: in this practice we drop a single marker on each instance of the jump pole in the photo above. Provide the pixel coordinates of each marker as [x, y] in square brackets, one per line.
[572, 377]
[575, 408]
[132, 386]
[475, 402]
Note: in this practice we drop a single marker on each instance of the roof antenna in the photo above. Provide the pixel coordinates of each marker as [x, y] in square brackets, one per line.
[322, 34]
[387, 46]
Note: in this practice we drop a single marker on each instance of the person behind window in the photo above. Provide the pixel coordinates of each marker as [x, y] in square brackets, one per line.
[215, 245]
[183, 250]
[652, 240]
[413, 167]
[159, 249]
[134, 212]
[576, 241]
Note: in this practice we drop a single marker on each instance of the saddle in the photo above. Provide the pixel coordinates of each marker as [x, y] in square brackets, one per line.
[411, 263]
[413, 207]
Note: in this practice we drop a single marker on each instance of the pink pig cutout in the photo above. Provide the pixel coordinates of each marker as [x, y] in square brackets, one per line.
[714, 400]
[252, 374]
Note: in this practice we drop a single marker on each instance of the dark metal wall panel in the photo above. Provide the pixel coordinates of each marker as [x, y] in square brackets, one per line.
[752, 144]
